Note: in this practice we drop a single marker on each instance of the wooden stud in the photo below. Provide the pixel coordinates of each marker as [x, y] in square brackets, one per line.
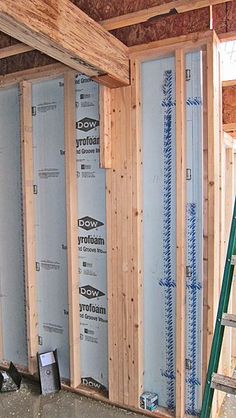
[16, 49]
[228, 203]
[105, 126]
[179, 6]
[124, 238]
[137, 232]
[205, 220]
[72, 229]
[180, 233]
[68, 35]
[29, 223]
[213, 206]
[34, 74]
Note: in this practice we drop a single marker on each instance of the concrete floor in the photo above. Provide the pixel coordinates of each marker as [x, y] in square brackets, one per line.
[228, 409]
[28, 403]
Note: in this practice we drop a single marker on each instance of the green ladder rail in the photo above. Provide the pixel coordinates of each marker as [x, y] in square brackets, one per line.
[223, 319]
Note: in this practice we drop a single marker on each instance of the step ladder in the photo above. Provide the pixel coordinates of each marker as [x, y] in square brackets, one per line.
[223, 319]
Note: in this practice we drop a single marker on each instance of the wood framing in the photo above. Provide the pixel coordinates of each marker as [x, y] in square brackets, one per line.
[29, 224]
[180, 233]
[177, 6]
[124, 218]
[105, 126]
[165, 46]
[16, 49]
[229, 127]
[35, 74]
[72, 230]
[65, 33]
[228, 83]
[214, 133]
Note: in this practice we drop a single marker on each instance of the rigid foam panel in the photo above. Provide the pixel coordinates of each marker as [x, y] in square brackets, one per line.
[12, 294]
[50, 204]
[91, 238]
[159, 200]
[194, 232]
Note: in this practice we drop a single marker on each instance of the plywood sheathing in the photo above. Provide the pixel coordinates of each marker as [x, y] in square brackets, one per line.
[164, 27]
[101, 10]
[224, 17]
[21, 62]
[229, 104]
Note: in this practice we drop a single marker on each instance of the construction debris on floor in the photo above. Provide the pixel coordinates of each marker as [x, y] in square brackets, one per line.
[28, 403]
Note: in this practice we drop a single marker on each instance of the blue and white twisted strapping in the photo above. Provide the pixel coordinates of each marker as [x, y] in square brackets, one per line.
[193, 287]
[167, 282]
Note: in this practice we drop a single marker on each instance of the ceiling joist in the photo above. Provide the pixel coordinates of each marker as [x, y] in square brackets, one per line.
[16, 49]
[62, 31]
[141, 16]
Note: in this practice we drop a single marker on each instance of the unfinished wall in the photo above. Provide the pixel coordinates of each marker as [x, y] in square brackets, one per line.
[159, 194]
[12, 293]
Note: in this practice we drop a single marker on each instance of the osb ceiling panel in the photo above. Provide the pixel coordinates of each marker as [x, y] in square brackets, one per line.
[163, 28]
[24, 61]
[6, 40]
[103, 9]
[229, 104]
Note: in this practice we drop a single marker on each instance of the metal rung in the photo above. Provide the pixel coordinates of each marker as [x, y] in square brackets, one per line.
[223, 383]
[228, 320]
[233, 260]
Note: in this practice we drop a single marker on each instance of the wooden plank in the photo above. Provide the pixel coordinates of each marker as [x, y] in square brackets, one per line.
[165, 46]
[227, 36]
[228, 83]
[229, 127]
[180, 233]
[135, 153]
[105, 127]
[16, 49]
[65, 33]
[36, 74]
[224, 383]
[229, 320]
[72, 230]
[29, 224]
[124, 260]
[177, 6]
[213, 145]
[234, 281]
[205, 220]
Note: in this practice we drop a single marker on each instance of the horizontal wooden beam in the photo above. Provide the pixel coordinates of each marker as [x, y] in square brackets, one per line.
[229, 127]
[38, 73]
[16, 49]
[62, 31]
[178, 6]
[229, 83]
[227, 36]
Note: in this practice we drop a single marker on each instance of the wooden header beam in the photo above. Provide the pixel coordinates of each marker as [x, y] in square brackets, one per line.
[62, 31]
[141, 16]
